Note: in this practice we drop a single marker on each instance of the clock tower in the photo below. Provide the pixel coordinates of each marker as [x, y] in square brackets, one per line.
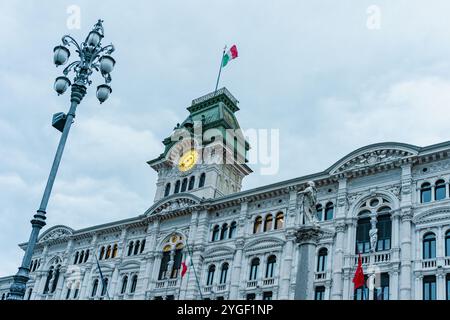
[206, 155]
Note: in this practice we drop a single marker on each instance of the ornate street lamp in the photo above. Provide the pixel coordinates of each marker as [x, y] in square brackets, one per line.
[92, 56]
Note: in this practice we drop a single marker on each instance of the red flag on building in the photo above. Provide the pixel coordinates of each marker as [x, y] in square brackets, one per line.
[185, 265]
[358, 279]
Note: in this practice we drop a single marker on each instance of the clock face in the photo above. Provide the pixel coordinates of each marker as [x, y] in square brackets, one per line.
[188, 160]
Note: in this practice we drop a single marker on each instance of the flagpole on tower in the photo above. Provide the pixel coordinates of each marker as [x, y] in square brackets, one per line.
[220, 69]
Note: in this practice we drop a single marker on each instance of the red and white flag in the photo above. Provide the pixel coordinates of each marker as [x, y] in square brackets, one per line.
[358, 279]
[185, 265]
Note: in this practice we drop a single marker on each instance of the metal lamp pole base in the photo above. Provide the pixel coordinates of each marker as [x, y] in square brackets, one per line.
[18, 287]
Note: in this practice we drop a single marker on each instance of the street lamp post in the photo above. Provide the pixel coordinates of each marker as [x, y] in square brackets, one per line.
[92, 56]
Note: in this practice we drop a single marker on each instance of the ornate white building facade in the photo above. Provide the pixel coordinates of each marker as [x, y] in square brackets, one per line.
[252, 244]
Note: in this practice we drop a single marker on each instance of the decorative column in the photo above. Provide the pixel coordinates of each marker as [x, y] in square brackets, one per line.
[405, 256]
[236, 271]
[338, 258]
[393, 285]
[440, 285]
[286, 266]
[406, 215]
[307, 238]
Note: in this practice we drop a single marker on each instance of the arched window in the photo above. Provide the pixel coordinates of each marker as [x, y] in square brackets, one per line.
[439, 190]
[124, 285]
[167, 190]
[177, 187]
[425, 192]
[201, 183]
[223, 231]
[86, 257]
[76, 258]
[279, 220]
[114, 252]
[108, 252]
[102, 253]
[130, 248]
[384, 226]
[329, 210]
[142, 246]
[362, 235]
[136, 247]
[164, 264]
[268, 223]
[215, 233]
[104, 286]
[210, 278]
[191, 183]
[270, 268]
[47, 282]
[447, 244]
[254, 269]
[56, 278]
[319, 210]
[184, 185]
[94, 288]
[429, 246]
[81, 257]
[133, 283]
[232, 231]
[223, 273]
[177, 262]
[322, 260]
[257, 225]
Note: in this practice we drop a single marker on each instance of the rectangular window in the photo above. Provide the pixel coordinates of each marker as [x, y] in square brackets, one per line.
[362, 293]
[267, 295]
[429, 288]
[319, 293]
[382, 291]
[384, 227]
[362, 236]
[251, 296]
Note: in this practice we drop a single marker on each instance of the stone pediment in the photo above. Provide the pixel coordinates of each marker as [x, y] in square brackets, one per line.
[218, 251]
[177, 202]
[383, 153]
[434, 215]
[264, 244]
[56, 233]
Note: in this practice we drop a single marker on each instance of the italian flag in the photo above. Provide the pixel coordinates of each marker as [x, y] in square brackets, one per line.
[185, 265]
[230, 55]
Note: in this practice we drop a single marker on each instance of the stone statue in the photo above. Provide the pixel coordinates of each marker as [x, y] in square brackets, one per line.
[309, 203]
[373, 235]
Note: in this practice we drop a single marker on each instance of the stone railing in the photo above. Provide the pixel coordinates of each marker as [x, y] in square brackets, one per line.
[207, 289]
[374, 258]
[320, 275]
[221, 287]
[167, 283]
[428, 263]
[447, 261]
[252, 283]
[268, 282]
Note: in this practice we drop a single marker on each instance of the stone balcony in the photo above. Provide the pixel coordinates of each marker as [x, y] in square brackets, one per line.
[265, 282]
[166, 283]
[217, 288]
[379, 257]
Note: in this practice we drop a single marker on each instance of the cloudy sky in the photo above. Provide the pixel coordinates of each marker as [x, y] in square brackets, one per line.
[312, 69]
